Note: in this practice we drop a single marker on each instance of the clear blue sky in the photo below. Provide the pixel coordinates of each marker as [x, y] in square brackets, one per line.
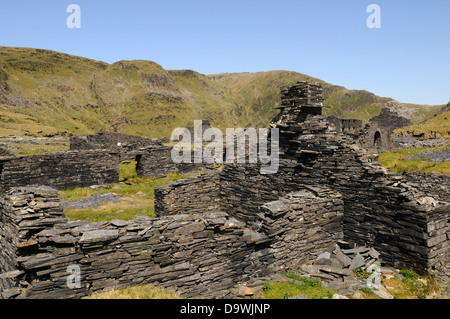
[407, 59]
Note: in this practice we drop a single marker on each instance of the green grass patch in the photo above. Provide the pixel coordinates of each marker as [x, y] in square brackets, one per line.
[439, 123]
[26, 149]
[396, 162]
[133, 185]
[299, 285]
[29, 152]
[368, 293]
[410, 275]
[413, 286]
[137, 196]
[127, 170]
[361, 273]
[108, 213]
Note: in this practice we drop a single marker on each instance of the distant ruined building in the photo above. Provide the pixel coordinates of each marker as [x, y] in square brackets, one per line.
[226, 225]
[376, 134]
[305, 99]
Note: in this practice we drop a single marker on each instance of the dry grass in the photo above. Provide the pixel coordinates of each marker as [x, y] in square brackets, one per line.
[128, 208]
[413, 286]
[136, 292]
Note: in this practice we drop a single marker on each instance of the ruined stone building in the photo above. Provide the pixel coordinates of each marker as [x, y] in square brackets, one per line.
[227, 225]
[376, 134]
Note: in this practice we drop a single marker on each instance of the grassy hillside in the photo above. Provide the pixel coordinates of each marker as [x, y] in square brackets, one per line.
[436, 126]
[49, 93]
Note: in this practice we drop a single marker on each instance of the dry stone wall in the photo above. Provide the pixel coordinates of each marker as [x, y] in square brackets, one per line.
[60, 170]
[199, 255]
[110, 140]
[374, 135]
[345, 125]
[437, 184]
[406, 226]
[223, 226]
[196, 194]
[300, 225]
[406, 223]
[390, 119]
[156, 161]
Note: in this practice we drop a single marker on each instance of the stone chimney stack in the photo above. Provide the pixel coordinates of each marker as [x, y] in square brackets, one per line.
[298, 101]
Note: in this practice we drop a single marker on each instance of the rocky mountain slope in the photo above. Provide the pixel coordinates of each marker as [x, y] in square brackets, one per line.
[49, 93]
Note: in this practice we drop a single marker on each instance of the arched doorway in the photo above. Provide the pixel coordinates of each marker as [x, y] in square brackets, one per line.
[377, 139]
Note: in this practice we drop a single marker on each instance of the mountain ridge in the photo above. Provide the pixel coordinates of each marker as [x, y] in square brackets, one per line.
[44, 92]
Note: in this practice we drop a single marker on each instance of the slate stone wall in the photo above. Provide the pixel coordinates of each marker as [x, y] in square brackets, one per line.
[375, 137]
[345, 125]
[407, 224]
[198, 255]
[61, 170]
[225, 226]
[300, 225]
[8, 241]
[196, 194]
[376, 133]
[23, 213]
[110, 141]
[156, 161]
[437, 184]
[390, 119]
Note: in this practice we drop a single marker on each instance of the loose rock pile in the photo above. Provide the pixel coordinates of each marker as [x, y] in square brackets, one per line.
[343, 267]
[344, 255]
[337, 266]
[437, 156]
[406, 141]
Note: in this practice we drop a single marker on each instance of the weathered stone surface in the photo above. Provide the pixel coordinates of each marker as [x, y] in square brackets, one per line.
[382, 292]
[357, 262]
[156, 161]
[334, 270]
[302, 296]
[96, 236]
[11, 274]
[343, 259]
[61, 170]
[119, 223]
[233, 223]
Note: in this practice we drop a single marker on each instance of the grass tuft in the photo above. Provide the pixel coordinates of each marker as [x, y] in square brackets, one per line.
[299, 285]
[413, 286]
[136, 292]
